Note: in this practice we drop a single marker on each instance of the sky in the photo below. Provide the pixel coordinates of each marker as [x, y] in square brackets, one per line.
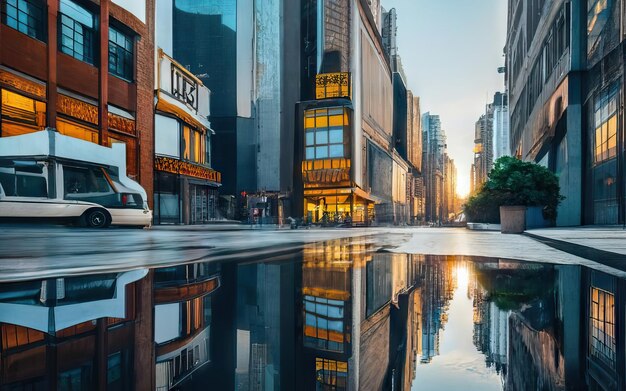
[451, 51]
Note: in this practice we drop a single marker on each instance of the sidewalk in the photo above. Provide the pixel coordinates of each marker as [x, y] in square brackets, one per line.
[605, 245]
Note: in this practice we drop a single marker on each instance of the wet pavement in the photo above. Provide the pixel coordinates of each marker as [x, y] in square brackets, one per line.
[310, 311]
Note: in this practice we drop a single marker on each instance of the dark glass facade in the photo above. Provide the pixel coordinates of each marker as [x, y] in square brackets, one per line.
[213, 59]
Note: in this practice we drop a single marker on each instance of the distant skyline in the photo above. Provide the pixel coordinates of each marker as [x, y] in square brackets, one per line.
[451, 51]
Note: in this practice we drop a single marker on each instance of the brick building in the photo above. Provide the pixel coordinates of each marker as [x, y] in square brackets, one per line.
[84, 68]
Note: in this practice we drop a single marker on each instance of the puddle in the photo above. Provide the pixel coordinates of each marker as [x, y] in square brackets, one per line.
[336, 315]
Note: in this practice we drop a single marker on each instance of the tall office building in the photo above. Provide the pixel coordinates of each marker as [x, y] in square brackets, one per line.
[247, 56]
[501, 129]
[434, 166]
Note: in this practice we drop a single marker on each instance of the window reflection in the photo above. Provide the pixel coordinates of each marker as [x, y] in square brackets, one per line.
[331, 375]
[324, 323]
[602, 327]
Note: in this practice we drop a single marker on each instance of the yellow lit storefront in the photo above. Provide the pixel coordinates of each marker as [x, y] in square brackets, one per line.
[330, 193]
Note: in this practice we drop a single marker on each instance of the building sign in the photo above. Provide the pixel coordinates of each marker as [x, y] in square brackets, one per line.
[180, 167]
[333, 85]
[184, 88]
[328, 176]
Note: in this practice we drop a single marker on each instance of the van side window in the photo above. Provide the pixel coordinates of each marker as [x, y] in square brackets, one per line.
[24, 180]
[83, 181]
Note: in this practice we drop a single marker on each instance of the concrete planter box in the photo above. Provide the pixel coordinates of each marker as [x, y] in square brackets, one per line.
[512, 219]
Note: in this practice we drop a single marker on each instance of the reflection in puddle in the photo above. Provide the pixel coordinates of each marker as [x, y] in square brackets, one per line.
[332, 316]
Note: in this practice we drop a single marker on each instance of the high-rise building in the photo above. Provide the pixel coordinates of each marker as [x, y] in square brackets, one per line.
[344, 139]
[435, 151]
[247, 54]
[545, 71]
[565, 76]
[501, 129]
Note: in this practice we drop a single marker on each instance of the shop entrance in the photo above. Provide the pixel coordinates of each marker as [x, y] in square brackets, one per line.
[203, 204]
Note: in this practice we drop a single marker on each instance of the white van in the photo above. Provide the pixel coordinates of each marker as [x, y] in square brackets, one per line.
[45, 175]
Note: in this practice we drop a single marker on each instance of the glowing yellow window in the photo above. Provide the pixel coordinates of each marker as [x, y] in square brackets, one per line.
[197, 146]
[21, 115]
[321, 122]
[74, 129]
[336, 120]
[309, 122]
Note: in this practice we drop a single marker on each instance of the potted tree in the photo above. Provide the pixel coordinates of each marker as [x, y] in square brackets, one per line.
[518, 194]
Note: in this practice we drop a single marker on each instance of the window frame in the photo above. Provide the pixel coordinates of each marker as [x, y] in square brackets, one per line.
[40, 28]
[89, 34]
[603, 135]
[317, 122]
[127, 55]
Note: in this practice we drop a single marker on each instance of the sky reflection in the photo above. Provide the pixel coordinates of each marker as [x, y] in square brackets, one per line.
[459, 364]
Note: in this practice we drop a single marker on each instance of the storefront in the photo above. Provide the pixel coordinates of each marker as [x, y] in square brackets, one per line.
[185, 185]
[330, 193]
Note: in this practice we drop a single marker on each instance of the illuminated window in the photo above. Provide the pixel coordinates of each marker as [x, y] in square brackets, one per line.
[74, 129]
[605, 122]
[77, 27]
[324, 324]
[324, 133]
[602, 327]
[120, 54]
[21, 115]
[25, 16]
[194, 145]
[186, 142]
[331, 375]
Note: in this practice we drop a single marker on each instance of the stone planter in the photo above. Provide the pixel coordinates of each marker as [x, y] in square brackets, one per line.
[512, 219]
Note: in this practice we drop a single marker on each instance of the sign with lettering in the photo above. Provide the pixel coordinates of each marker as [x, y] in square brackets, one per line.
[176, 166]
[333, 85]
[184, 88]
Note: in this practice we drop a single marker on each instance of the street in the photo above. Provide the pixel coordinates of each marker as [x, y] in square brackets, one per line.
[28, 252]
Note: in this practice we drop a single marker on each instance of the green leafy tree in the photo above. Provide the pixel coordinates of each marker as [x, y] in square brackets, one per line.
[515, 182]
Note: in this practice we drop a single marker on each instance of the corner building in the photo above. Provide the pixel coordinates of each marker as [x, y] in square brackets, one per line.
[565, 75]
[84, 68]
[344, 136]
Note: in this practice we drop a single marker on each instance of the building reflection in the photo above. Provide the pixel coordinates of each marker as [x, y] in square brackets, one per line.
[330, 316]
[182, 321]
[73, 333]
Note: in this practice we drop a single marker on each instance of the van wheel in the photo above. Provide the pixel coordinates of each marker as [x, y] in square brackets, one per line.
[96, 218]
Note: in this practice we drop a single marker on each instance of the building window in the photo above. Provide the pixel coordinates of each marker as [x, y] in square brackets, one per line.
[77, 27]
[605, 122]
[194, 145]
[324, 133]
[21, 115]
[331, 375]
[120, 54]
[602, 328]
[26, 16]
[598, 13]
[74, 129]
[76, 379]
[324, 324]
